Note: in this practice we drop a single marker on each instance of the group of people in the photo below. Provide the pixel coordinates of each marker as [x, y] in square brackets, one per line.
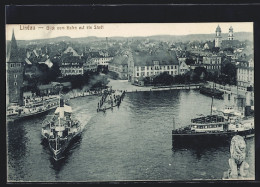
[111, 98]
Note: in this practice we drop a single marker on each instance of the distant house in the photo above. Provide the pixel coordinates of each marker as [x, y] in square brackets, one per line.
[90, 65]
[208, 45]
[46, 89]
[212, 63]
[71, 51]
[183, 67]
[32, 70]
[47, 62]
[119, 65]
[100, 58]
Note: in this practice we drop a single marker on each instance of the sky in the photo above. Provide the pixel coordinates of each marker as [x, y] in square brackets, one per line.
[42, 31]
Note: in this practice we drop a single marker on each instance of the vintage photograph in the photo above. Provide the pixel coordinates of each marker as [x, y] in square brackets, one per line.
[130, 102]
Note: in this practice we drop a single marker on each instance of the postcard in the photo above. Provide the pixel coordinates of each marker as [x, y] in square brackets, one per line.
[111, 102]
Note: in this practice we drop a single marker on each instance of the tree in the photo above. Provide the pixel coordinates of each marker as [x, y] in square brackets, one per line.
[163, 79]
[199, 70]
[189, 61]
[229, 70]
[146, 80]
[215, 49]
[229, 49]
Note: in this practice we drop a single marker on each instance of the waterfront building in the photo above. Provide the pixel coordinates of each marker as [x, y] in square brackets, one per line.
[245, 73]
[71, 65]
[15, 74]
[119, 65]
[144, 64]
[218, 37]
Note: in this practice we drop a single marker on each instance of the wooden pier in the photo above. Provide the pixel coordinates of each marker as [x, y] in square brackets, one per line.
[109, 99]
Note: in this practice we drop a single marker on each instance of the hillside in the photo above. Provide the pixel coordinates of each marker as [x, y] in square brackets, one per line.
[241, 36]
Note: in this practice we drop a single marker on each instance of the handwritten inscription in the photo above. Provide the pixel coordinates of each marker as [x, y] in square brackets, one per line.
[61, 27]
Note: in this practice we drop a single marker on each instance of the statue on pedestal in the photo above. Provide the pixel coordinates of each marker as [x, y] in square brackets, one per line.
[238, 166]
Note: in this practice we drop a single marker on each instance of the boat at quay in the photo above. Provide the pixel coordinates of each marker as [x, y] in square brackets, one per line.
[211, 92]
[217, 128]
[31, 108]
[212, 129]
[60, 129]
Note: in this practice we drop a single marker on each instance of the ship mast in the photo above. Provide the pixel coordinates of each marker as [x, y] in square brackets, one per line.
[211, 105]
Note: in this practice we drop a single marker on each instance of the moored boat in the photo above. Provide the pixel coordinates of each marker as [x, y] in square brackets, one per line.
[60, 129]
[211, 92]
[15, 112]
[213, 129]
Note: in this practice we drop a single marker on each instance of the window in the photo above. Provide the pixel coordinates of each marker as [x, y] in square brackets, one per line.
[175, 67]
[147, 73]
[15, 75]
[15, 83]
[142, 68]
[137, 74]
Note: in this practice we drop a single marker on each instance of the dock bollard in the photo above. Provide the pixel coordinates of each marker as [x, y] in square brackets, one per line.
[238, 166]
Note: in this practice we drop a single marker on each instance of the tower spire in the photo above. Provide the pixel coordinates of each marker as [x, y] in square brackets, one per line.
[13, 49]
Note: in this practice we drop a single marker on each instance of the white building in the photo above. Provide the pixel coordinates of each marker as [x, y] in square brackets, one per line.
[71, 65]
[245, 74]
[143, 64]
[183, 67]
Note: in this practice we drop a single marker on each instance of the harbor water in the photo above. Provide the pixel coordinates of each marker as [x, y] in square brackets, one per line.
[132, 142]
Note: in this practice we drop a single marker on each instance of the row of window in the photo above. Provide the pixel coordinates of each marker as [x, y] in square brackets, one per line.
[245, 78]
[244, 71]
[142, 68]
[155, 73]
[72, 71]
[212, 67]
[13, 65]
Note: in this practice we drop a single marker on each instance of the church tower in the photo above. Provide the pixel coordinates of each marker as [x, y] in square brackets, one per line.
[218, 37]
[14, 73]
[231, 34]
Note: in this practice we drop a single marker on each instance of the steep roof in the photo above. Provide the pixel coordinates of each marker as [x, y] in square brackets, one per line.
[164, 58]
[72, 59]
[120, 60]
[13, 55]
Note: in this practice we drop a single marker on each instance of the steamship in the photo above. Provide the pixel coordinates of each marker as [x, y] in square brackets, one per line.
[215, 128]
[60, 129]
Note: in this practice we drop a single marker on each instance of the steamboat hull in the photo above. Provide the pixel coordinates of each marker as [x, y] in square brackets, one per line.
[63, 145]
[211, 92]
[27, 116]
[181, 139]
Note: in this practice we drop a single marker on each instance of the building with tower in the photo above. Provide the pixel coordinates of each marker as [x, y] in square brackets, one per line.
[229, 42]
[231, 34]
[14, 74]
[218, 37]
